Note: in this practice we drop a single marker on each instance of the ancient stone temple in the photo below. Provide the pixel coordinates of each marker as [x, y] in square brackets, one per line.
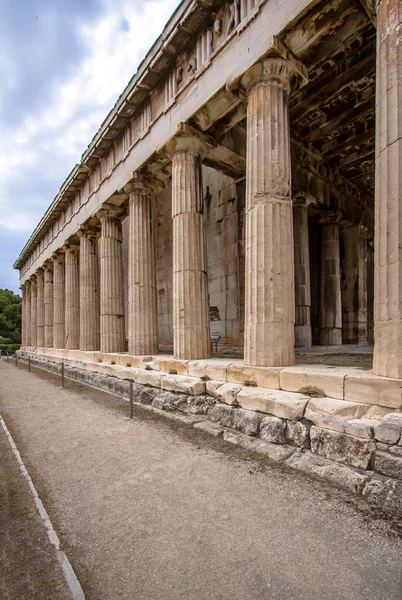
[244, 195]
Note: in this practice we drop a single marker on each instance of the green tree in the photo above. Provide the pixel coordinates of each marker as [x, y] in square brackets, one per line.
[10, 317]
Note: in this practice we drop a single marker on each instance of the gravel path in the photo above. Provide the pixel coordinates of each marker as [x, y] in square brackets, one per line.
[155, 510]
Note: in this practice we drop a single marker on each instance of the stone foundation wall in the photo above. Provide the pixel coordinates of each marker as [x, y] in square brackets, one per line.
[351, 451]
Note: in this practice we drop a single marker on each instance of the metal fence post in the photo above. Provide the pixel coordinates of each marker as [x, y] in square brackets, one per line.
[7, 356]
[16, 360]
[62, 374]
[29, 364]
[131, 399]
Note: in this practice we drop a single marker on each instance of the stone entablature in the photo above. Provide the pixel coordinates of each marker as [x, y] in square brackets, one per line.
[148, 111]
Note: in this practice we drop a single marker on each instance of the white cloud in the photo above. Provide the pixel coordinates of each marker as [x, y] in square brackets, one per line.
[50, 141]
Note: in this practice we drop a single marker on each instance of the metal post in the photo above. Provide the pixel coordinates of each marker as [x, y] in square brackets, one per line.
[16, 360]
[131, 399]
[29, 364]
[62, 374]
[7, 356]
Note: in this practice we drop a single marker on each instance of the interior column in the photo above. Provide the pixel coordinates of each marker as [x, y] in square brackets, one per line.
[302, 271]
[330, 317]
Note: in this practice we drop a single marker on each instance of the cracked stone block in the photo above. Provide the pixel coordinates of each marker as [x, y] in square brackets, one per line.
[246, 421]
[298, 433]
[200, 405]
[145, 377]
[389, 430]
[388, 465]
[224, 392]
[211, 428]
[341, 447]
[187, 385]
[272, 429]
[286, 405]
[317, 380]
[331, 413]
[273, 452]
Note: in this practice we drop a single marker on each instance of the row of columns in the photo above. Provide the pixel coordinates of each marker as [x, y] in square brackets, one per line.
[273, 304]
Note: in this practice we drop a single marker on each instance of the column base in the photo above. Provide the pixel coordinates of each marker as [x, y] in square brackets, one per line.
[331, 337]
[388, 349]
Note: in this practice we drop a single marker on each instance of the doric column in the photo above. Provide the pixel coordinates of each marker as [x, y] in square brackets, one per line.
[89, 290]
[27, 313]
[142, 303]
[191, 333]
[40, 323]
[388, 196]
[269, 336]
[59, 334]
[23, 311]
[33, 311]
[354, 286]
[302, 269]
[48, 296]
[112, 325]
[72, 298]
[330, 317]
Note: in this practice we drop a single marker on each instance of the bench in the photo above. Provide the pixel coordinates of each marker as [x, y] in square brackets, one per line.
[215, 337]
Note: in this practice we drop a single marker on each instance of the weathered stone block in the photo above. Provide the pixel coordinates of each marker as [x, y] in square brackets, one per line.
[246, 421]
[187, 385]
[340, 475]
[389, 430]
[298, 432]
[272, 429]
[363, 427]
[172, 365]
[372, 389]
[211, 428]
[147, 395]
[273, 452]
[317, 380]
[224, 392]
[389, 465]
[211, 369]
[258, 376]
[280, 404]
[333, 414]
[387, 494]
[200, 405]
[145, 377]
[222, 414]
[341, 447]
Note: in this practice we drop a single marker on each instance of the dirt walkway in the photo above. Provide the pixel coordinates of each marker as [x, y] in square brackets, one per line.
[28, 565]
[158, 511]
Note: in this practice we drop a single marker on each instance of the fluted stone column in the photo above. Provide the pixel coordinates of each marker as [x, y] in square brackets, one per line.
[330, 317]
[72, 298]
[388, 197]
[48, 296]
[191, 333]
[354, 286]
[142, 303]
[112, 324]
[28, 313]
[89, 290]
[302, 270]
[269, 336]
[33, 311]
[23, 309]
[59, 335]
[40, 323]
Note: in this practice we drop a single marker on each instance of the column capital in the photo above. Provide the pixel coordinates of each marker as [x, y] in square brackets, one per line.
[109, 211]
[303, 199]
[332, 218]
[39, 271]
[88, 231]
[48, 264]
[59, 256]
[143, 183]
[183, 141]
[277, 71]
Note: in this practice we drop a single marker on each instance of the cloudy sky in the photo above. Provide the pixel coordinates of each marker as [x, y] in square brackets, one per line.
[63, 63]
